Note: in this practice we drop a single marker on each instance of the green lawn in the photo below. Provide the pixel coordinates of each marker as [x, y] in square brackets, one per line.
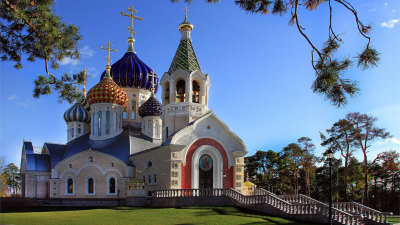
[394, 219]
[131, 215]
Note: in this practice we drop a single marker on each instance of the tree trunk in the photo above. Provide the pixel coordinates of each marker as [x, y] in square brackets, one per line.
[345, 178]
[365, 198]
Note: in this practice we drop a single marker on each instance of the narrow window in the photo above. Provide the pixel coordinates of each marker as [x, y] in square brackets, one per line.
[70, 184]
[79, 130]
[72, 132]
[93, 123]
[149, 127]
[166, 132]
[157, 129]
[90, 186]
[144, 179]
[115, 120]
[155, 178]
[149, 179]
[124, 115]
[99, 123]
[112, 185]
[107, 122]
[133, 114]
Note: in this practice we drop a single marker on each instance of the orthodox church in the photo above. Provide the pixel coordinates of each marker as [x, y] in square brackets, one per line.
[122, 142]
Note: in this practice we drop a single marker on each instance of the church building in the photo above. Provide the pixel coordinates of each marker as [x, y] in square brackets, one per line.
[123, 142]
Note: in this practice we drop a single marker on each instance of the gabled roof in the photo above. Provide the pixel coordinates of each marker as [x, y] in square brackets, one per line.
[185, 58]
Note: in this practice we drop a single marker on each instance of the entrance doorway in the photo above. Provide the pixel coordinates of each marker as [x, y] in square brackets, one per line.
[206, 171]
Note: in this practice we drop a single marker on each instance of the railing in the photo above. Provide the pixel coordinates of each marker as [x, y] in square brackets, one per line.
[310, 206]
[206, 192]
[262, 191]
[364, 211]
[299, 198]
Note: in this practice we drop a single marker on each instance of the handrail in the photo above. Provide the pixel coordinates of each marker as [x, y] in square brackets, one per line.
[364, 211]
[262, 191]
[312, 207]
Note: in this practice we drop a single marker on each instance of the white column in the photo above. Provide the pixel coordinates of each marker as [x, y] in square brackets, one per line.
[189, 90]
[203, 91]
[172, 95]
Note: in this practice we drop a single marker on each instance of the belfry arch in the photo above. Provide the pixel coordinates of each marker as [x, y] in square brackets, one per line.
[180, 90]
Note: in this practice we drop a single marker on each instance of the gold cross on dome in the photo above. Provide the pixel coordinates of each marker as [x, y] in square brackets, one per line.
[152, 75]
[108, 51]
[131, 16]
[186, 10]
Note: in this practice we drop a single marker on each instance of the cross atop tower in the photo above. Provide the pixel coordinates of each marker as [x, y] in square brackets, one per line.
[131, 16]
[186, 10]
[108, 52]
[152, 75]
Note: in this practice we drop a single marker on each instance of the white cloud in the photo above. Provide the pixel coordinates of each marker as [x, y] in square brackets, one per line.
[13, 97]
[392, 140]
[372, 10]
[386, 4]
[390, 23]
[87, 51]
[69, 61]
[93, 71]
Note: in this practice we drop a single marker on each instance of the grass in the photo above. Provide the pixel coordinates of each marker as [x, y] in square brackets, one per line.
[394, 219]
[132, 215]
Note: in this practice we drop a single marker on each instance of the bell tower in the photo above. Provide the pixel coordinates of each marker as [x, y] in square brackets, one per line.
[184, 87]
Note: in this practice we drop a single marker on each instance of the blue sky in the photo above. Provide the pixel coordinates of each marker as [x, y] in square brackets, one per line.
[259, 69]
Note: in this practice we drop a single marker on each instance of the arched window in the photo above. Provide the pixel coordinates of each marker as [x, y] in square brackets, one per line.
[196, 92]
[112, 186]
[149, 179]
[99, 123]
[155, 178]
[144, 127]
[79, 130]
[93, 123]
[90, 186]
[149, 127]
[180, 91]
[157, 129]
[166, 94]
[70, 186]
[72, 132]
[124, 115]
[115, 121]
[107, 122]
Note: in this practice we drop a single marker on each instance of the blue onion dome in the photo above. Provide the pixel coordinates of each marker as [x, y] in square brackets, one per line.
[77, 113]
[130, 71]
[152, 107]
[85, 104]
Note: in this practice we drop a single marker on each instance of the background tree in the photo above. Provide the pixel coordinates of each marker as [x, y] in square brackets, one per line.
[3, 182]
[31, 28]
[366, 132]
[329, 70]
[12, 177]
[308, 160]
[292, 154]
[341, 139]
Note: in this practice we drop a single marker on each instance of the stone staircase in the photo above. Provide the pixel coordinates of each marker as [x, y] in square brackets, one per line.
[298, 207]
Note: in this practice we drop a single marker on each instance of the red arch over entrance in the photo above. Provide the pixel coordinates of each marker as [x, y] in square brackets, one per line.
[186, 180]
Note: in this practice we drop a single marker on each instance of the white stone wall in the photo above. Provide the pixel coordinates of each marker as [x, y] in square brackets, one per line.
[90, 164]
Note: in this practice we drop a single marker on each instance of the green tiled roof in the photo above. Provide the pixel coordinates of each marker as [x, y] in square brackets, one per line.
[184, 58]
